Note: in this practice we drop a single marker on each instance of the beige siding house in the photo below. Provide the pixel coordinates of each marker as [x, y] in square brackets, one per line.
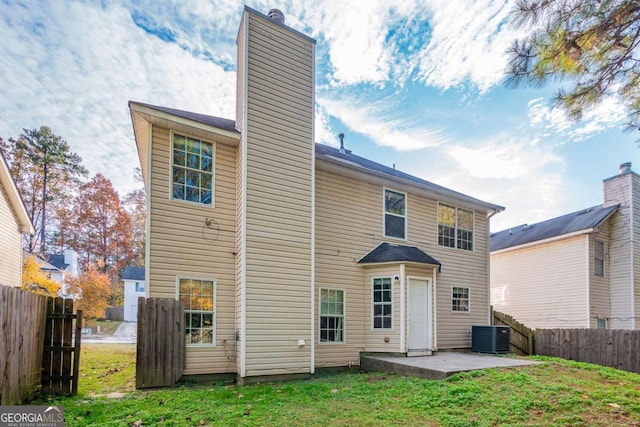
[580, 270]
[14, 223]
[291, 255]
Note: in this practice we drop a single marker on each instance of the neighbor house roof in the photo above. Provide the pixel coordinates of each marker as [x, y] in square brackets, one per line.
[583, 220]
[387, 252]
[20, 211]
[133, 273]
[58, 261]
[330, 154]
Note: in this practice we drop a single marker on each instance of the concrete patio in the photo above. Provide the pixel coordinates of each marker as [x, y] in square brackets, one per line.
[439, 366]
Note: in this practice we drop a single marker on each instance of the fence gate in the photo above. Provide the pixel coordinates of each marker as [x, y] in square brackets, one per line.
[160, 352]
[61, 359]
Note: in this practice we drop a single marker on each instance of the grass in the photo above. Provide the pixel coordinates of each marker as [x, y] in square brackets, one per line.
[556, 393]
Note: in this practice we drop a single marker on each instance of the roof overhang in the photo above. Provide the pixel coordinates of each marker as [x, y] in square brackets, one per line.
[392, 254]
[143, 117]
[357, 172]
[22, 216]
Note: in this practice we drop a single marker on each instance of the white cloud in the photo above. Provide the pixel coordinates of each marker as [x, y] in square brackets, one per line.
[382, 124]
[522, 175]
[608, 114]
[469, 42]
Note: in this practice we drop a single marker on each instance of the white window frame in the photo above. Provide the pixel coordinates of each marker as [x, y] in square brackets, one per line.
[343, 316]
[456, 227]
[214, 157]
[596, 259]
[214, 311]
[468, 299]
[373, 304]
[385, 213]
[139, 287]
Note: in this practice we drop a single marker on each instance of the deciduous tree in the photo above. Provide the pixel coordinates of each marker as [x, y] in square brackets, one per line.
[34, 280]
[45, 170]
[591, 45]
[93, 289]
[97, 226]
[135, 204]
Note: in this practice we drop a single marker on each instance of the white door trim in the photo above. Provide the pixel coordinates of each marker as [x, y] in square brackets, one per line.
[422, 351]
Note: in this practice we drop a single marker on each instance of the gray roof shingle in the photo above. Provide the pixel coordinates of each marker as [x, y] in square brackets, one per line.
[569, 223]
[133, 273]
[386, 252]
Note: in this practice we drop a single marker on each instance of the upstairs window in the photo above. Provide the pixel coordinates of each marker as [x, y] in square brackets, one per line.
[598, 258]
[192, 170]
[455, 227]
[395, 214]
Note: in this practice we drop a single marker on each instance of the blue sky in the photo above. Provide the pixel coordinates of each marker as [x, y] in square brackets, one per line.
[415, 83]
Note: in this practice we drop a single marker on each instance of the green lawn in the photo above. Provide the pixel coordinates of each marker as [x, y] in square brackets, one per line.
[556, 393]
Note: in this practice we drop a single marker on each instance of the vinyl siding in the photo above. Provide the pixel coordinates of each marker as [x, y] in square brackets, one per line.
[618, 190]
[278, 119]
[635, 191]
[10, 257]
[183, 246]
[349, 224]
[543, 286]
[599, 289]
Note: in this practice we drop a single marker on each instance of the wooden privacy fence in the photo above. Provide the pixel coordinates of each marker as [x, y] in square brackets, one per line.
[160, 354]
[22, 320]
[520, 337]
[617, 348]
[61, 357]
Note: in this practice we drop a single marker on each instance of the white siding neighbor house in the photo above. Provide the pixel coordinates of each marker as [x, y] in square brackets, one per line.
[580, 270]
[14, 223]
[134, 287]
[61, 268]
[292, 256]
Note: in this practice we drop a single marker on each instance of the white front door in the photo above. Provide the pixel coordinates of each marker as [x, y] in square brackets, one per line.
[419, 315]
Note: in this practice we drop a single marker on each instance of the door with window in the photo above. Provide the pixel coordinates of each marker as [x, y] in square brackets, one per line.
[419, 310]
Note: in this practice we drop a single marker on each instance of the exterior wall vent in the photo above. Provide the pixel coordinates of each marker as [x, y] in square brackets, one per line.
[276, 15]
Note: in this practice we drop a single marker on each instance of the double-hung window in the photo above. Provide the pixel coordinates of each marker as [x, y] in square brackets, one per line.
[382, 303]
[460, 299]
[598, 258]
[198, 296]
[331, 316]
[192, 170]
[455, 227]
[395, 214]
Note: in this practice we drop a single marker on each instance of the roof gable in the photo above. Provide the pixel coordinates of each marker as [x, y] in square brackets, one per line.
[570, 223]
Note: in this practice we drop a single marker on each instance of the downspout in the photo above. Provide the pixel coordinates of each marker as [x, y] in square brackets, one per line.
[403, 348]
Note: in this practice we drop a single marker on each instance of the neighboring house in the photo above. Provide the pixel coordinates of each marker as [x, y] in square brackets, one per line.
[580, 270]
[290, 255]
[134, 285]
[61, 267]
[14, 223]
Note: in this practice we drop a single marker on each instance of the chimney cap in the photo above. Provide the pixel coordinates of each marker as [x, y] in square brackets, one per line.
[625, 167]
[276, 15]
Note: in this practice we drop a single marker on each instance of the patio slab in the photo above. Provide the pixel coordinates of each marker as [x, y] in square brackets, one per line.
[440, 365]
